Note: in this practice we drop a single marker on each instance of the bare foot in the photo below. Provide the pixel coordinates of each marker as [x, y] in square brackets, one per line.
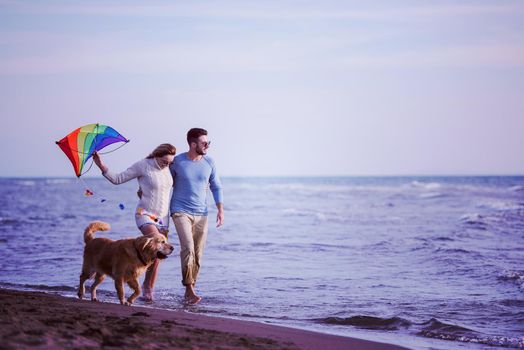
[147, 294]
[190, 297]
[192, 300]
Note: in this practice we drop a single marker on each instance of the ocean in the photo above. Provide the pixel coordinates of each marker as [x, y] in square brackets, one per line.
[424, 262]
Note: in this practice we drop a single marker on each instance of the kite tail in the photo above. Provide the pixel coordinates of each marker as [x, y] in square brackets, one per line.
[88, 191]
[94, 227]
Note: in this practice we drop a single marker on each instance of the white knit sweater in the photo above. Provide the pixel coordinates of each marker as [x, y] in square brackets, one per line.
[155, 183]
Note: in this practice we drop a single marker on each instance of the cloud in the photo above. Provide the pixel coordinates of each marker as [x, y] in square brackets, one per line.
[224, 47]
[488, 55]
[110, 56]
[266, 10]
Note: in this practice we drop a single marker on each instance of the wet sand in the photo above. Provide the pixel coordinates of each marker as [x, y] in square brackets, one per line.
[34, 320]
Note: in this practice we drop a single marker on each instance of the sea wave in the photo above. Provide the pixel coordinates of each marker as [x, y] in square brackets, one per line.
[501, 205]
[59, 181]
[474, 220]
[368, 322]
[513, 302]
[315, 188]
[26, 182]
[9, 221]
[439, 330]
[436, 327]
[426, 185]
[516, 277]
[452, 251]
[431, 329]
[431, 195]
[318, 215]
[38, 287]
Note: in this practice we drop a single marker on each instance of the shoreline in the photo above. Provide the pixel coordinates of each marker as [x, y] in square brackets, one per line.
[32, 320]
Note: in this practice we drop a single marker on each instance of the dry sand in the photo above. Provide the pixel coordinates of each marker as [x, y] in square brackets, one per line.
[33, 320]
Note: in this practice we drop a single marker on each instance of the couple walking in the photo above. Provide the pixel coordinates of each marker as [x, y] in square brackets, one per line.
[190, 174]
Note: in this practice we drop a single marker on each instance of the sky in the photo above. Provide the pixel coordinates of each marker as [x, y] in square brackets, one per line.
[284, 88]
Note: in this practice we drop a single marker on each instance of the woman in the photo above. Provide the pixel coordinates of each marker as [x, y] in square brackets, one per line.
[152, 211]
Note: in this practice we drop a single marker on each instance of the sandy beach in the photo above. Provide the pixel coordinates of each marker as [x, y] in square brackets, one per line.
[35, 320]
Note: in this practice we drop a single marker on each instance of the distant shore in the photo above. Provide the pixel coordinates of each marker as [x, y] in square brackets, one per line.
[33, 320]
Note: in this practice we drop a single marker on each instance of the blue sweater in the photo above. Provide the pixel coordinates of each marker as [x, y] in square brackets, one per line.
[191, 179]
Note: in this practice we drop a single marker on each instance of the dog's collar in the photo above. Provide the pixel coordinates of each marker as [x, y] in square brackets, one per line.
[140, 256]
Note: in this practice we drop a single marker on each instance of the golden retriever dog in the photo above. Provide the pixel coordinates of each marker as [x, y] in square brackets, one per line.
[124, 260]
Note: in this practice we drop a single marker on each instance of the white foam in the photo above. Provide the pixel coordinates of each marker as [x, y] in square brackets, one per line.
[290, 211]
[516, 188]
[472, 218]
[515, 276]
[320, 216]
[431, 195]
[316, 214]
[426, 185]
[26, 182]
[500, 205]
[512, 342]
[58, 181]
[316, 187]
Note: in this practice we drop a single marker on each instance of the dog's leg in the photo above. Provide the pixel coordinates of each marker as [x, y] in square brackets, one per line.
[81, 286]
[84, 276]
[99, 278]
[119, 286]
[136, 287]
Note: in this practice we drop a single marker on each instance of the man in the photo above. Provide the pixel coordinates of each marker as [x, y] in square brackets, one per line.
[193, 173]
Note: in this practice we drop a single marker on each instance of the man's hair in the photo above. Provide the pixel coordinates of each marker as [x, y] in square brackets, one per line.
[194, 134]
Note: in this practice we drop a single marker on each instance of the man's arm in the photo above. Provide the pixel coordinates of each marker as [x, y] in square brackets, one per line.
[216, 189]
[220, 214]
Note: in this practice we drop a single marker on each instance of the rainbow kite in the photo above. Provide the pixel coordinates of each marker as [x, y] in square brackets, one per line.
[80, 144]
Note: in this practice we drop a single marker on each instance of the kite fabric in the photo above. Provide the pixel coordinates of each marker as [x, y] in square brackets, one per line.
[80, 144]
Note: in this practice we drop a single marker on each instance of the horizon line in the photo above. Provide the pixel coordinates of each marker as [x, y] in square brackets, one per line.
[293, 176]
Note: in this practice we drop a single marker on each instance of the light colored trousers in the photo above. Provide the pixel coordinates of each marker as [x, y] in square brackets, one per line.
[192, 233]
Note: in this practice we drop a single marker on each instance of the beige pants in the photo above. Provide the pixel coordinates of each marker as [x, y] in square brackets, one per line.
[192, 233]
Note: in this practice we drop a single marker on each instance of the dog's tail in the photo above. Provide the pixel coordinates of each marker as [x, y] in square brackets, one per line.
[94, 227]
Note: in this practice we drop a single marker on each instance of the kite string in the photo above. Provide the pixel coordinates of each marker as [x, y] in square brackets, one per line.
[89, 191]
[84, 183]
[122, 145]
[92, 161]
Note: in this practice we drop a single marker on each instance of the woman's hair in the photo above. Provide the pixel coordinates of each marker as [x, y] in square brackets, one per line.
[162, 150]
